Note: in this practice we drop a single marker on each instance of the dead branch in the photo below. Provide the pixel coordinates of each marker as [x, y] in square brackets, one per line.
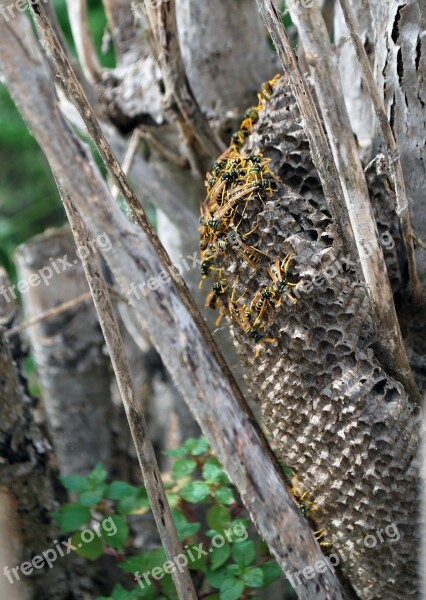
[77, 14]
[138, 427]
[168, 314]
[127, 39]
[395, 167]
[146, 180]
[201, 139]
[390, 346]
[27, 485]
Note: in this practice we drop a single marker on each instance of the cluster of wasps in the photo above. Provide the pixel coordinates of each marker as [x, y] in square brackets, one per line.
[239, 182]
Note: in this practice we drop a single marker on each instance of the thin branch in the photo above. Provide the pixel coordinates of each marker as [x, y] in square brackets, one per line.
[173, 323]
[162, 150]
[138, 427]
[321, 154]
[145, 178]
[388, 343]
[194, 125]
[52, 312]
[77, 15]
[126, 37]
[395, 167]
[128, 159]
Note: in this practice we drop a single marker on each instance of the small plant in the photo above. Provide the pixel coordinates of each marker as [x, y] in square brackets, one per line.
[210, 519]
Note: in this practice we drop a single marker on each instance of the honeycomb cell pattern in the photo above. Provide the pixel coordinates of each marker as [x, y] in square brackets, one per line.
[300, 319]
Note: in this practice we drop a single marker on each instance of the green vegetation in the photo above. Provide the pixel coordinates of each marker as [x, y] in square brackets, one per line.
[29, 200]
[208, 515]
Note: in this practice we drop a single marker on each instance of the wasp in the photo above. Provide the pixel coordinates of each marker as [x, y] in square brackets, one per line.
[242, 316]
[252, 113]
[210, 180]
[207, 266]
[218, 167]
[252, 256]
[267, 185]
[261, 301]
[213, 299]
[218, 289]
[267, 88]
[221, 217]
[239, 137]
[278, 273]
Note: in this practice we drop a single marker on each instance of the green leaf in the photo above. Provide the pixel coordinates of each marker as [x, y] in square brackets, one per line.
[253, 577]
[168, 588]
[98, 475]
[219, 556]
[132, 564]
[118, 490]
[115, 531]
[92, 497]
[224, 495]
[184, 528]
[212, 472]
[137, 503]
[200, 562]
[145, 561]
[197, 446]
[119, 593]
[72, 516]
[195, 492]
[176, 452]
[233, 570]
[183, 467]
[75, 483]
[218, 518]
[271, 572]
[231, 589]
[92, 549]
[216, 578]
[244, 553]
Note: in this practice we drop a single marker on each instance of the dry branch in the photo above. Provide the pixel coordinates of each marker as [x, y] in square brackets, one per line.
[175, 326]
[314, 35]
[200, 138]
[138, 427]
[395, 167]
[77, 14]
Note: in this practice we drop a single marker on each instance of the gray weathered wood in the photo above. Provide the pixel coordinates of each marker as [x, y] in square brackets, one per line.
[69, 352]
[314, 36]
[175, 327]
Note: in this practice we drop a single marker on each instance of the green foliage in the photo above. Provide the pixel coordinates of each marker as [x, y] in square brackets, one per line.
[203, 499]
[29, 200]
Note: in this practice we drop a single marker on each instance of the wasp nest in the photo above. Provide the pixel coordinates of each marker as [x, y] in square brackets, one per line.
[300, 319]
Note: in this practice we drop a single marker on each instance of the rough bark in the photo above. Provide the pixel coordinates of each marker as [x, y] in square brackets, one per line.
[27, 493]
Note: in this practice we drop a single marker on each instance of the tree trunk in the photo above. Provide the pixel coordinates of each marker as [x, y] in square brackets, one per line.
[69, 352]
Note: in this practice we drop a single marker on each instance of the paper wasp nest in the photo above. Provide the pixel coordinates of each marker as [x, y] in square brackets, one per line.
[300, 318]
